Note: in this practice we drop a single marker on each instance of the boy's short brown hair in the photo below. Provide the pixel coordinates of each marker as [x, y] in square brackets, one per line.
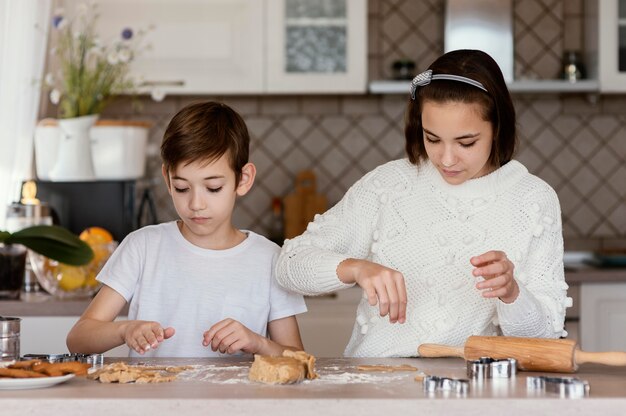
[204, 132]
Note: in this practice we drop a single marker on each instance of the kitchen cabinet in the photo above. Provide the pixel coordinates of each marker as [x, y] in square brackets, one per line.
[245, 46]
[327, 326]
[198, 46]
[603, 316]
[47, 334]
[605, 40]
[316, 47]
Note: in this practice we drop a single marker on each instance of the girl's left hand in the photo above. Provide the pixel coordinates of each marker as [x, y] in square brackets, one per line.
[497, 270]
[230, 336]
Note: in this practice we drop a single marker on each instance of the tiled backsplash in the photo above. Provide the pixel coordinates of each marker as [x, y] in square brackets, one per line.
[575, 143]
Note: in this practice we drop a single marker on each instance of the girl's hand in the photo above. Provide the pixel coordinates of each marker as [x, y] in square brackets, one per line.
[497, 270]
[382, 285]
[230, 336]
[142, 336]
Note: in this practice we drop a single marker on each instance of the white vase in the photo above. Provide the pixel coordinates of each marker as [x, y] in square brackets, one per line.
[74, 161]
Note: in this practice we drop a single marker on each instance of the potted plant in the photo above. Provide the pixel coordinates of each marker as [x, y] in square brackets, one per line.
[86, 74]
[52, 241]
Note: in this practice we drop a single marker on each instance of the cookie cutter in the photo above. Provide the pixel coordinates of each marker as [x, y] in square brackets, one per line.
[459, 386]
[487, 367]
[565, 387]
[93, 359]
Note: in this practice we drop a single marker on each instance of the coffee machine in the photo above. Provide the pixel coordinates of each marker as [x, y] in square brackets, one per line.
[27, 212]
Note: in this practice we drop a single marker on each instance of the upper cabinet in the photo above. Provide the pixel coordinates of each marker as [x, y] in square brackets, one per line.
[246, 46]
[198, 46]
[316, 46]
[606, 40]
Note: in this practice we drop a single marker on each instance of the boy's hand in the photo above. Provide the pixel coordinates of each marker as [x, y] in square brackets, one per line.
[497, 270]
[382, 285]
[230, 336]
[142, 336]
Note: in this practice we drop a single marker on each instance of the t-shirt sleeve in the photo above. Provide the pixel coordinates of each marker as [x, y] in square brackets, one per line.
[282, 302]
[123, 269]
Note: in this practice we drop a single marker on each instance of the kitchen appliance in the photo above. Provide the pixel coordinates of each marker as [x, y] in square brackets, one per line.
[532, 354]
[26, 213]
[482, 24]
[9, 338]
[80, 205]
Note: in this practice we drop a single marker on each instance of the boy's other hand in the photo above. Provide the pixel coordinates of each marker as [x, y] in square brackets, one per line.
[229, 336]
[142, 336]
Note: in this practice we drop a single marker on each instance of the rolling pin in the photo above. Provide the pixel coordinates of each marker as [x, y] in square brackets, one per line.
[532, 354]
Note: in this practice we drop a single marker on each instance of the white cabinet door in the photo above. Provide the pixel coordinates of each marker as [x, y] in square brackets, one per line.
[603, 316]
[198, 46]
[327, 326]
[47, 334]
[612, 45]
[316, 46]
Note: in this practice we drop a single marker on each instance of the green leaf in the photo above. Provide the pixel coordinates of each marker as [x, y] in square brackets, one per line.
[54, 242]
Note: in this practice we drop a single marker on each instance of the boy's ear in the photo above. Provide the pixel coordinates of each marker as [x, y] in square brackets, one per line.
[248, 173]
[166, 176]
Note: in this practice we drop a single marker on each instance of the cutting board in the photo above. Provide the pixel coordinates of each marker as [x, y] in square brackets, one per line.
[301, 206]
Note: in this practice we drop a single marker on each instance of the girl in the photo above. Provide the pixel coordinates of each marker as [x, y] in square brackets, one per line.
[456, 240]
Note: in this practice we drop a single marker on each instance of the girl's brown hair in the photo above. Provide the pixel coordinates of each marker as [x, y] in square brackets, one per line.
[204, 132]
[496, 104]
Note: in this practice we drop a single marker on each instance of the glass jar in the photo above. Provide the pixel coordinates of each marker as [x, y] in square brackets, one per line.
[12, 268]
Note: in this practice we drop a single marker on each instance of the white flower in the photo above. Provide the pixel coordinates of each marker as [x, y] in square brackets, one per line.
[124, 55]
[94, 51]
[112, 58]
[55, 96]
[157, 94]
[49, 79]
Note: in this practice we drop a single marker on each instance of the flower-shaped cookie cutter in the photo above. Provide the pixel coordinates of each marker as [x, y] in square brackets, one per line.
[487, 367]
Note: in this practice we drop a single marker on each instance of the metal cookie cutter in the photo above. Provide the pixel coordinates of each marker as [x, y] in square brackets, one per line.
[457, 385]
[565, 387]
[487, 367]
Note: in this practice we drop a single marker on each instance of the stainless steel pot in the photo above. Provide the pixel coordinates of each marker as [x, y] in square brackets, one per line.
[9, 338]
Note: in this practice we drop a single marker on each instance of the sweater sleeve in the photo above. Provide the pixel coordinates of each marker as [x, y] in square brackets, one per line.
[539, 310]
[308, 263]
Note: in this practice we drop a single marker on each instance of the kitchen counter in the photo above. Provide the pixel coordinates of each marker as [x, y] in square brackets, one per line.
[41, 304]
[220, 386]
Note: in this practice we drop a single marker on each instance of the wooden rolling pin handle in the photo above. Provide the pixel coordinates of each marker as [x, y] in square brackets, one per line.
[437, 351]
[607, 358]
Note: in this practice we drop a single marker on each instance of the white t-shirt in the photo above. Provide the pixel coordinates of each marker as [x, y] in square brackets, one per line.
[169, 280]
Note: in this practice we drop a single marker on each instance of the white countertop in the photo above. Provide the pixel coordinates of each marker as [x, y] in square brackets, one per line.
[220, 386]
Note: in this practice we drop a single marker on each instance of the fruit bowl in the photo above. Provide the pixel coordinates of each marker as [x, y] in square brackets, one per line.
[71, 282]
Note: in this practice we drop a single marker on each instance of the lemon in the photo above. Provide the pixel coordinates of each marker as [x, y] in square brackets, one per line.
[95, 236]
[70, 277]
[90, 280]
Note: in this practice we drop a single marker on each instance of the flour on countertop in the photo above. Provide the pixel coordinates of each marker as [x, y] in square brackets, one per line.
[327, 375]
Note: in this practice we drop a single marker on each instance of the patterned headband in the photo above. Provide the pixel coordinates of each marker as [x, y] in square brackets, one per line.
[425, 77]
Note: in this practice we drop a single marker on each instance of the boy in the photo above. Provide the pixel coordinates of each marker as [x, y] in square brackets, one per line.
[197, 287]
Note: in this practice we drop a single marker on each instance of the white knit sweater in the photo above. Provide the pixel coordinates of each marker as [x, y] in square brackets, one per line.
[411, 220]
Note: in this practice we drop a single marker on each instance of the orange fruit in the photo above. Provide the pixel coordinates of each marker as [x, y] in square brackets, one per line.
[95, 235]
[70, 277]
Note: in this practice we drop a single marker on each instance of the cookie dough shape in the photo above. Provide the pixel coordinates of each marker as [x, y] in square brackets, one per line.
[292, 367]
[386, 368]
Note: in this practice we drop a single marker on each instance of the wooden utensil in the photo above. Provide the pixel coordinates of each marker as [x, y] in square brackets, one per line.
[532, 354]
[302, 205]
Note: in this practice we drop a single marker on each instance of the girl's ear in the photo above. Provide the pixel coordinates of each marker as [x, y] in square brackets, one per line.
[248, 173]
[166, 176]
